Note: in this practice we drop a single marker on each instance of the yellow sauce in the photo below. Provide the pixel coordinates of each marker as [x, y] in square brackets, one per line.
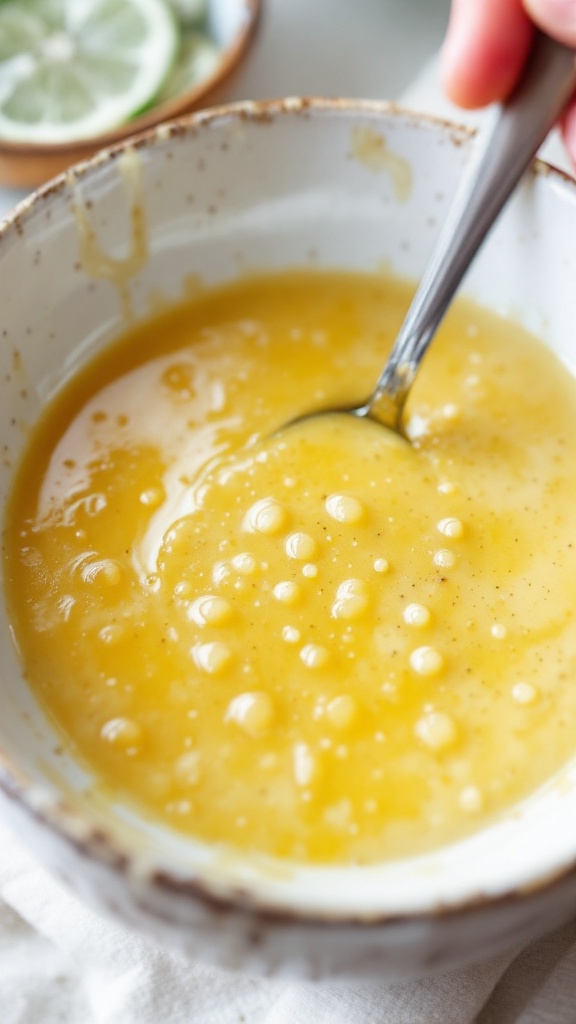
[322, 643]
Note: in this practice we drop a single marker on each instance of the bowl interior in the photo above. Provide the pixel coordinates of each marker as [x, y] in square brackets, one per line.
[332, 185]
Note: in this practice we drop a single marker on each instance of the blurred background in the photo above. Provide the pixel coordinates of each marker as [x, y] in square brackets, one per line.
[368, 48]
[352, 48]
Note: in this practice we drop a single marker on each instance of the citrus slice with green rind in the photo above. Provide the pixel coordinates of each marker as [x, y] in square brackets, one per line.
[71, 69]
[197, 59]
[190, 12]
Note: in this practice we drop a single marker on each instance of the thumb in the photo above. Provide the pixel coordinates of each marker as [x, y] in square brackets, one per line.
[556, 17]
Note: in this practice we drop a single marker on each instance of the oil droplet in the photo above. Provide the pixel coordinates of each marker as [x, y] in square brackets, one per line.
[111, 634]
[287, 592]
[212, 657]
[314, 655]
[444, 558]
[351, 600]
[122, 732]
[152, 497]
[290, 634]
[245, 563]
[339, 815]
[345, 508]
[102, 571]
[470, 800]
[187, 768]
[221, 572]
[450, 411]
[252, 712]
[265, 516]
[305, 766]
[300, 546]
[416, 615]
[342, 711]
[451, 527]
[426, 661]
[210, 610]
[436, 730]
[524, 693]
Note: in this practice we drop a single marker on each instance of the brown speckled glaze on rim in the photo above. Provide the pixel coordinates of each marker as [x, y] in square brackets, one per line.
[26, 165]
[162, 896]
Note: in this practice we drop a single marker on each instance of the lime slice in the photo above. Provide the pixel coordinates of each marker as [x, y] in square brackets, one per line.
[196, 60]
[70, 69]
[189, 12]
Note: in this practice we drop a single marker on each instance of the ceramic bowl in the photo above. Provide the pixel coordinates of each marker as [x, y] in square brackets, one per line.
[292, 183]
[233, 24]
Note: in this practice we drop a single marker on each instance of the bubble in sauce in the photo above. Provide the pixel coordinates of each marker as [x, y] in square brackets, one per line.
[426, 661]
[104, 570]
[471, 800]
[187, 768]
[451, 527]
[341, 712]
[416, 615]
[290, 634]
[351, 599]
[305, 764]
[444, 558]
[212, 657]
[266, 516]
[300, 546]
[345, 508]
[252, 712]
[210, 610]
[524, 693]
[245, 563]
[436, 730]
[111, 633]
[122, 732]
[287, 592]
[152, 497]
[314, 655]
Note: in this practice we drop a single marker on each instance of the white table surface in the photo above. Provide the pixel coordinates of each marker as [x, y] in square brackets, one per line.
[368, 48]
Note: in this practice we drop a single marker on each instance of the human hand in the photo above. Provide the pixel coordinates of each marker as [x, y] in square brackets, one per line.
[487, 44]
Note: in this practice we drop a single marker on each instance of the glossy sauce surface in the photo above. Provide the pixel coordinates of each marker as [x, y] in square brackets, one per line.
[322, 643]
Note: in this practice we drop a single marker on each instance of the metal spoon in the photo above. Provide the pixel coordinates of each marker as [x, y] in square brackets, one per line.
[523, 122]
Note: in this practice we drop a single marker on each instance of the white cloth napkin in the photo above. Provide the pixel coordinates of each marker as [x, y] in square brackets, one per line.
[60, 963]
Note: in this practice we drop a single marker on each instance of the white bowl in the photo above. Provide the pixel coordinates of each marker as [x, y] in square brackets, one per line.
[331, 184]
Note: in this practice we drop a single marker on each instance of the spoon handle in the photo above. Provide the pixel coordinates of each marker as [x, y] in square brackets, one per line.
[523, 122]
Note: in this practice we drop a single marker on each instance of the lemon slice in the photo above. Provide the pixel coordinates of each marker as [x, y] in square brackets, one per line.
[197, 58]
[70, 69]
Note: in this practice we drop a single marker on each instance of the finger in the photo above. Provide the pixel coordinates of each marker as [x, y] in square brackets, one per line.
[556, 17]
[568, 127]
[485, 49]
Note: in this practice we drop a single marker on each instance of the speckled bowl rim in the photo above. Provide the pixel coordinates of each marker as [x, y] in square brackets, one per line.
[71, 825]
